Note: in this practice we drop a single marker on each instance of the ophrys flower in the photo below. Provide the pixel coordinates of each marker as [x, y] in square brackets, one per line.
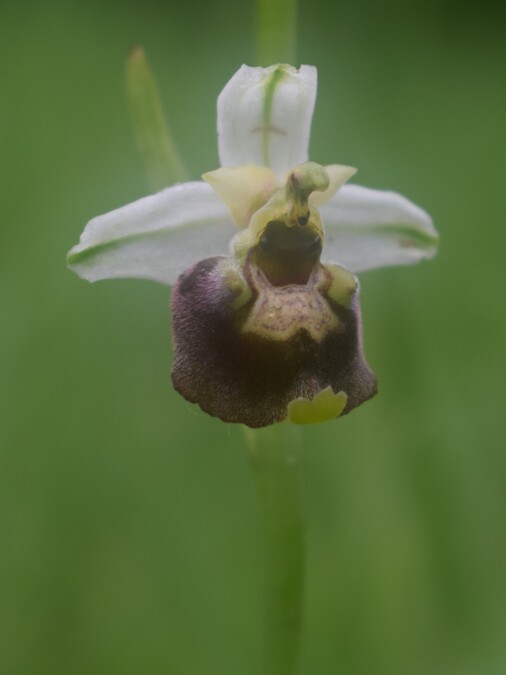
[266, 311]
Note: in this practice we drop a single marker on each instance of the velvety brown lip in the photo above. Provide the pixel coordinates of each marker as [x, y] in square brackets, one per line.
[250, 378]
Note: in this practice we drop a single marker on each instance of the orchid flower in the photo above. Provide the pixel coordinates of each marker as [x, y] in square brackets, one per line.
[262, 253]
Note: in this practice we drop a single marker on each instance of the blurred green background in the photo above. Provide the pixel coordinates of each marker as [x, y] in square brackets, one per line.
[129, 539]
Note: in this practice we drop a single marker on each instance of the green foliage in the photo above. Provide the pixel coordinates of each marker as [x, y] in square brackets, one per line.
[129, 534]
[162, 163]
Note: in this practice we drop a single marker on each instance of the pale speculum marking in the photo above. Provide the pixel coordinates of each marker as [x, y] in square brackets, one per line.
[279, 312]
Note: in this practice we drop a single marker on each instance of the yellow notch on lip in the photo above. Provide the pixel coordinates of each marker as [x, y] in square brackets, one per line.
[323, 407]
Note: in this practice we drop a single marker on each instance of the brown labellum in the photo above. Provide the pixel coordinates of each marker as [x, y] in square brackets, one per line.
[246, 345]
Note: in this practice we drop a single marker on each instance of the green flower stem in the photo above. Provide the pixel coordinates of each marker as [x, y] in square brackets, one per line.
[277, 25]
[275, 458]
[162, 162]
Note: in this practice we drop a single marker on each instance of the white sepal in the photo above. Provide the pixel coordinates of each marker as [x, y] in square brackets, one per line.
[156, 237]
[366, 229]
[264, 117]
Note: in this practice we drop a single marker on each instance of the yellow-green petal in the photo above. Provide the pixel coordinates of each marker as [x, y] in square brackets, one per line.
[244, 189]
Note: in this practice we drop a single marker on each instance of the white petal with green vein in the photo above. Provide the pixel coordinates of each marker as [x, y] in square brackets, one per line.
[264, 117]
[156, 237]
[365, 229]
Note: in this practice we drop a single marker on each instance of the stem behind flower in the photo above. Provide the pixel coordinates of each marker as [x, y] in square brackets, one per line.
[277, 27]
[274, 458]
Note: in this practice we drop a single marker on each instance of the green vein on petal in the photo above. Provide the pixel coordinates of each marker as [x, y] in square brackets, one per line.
[86, 253]
[278, 75]
[414, 235]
